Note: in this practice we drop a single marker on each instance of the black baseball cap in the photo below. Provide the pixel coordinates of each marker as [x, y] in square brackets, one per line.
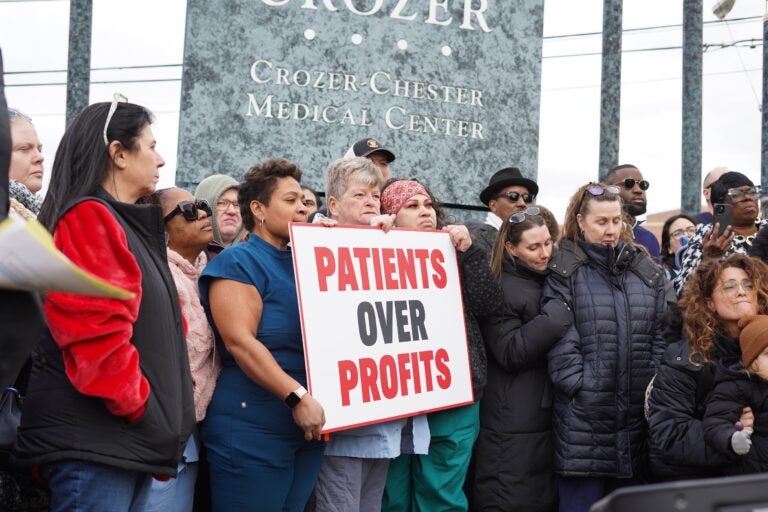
[369, 146]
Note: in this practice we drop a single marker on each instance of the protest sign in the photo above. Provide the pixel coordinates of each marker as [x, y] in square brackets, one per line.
[382, 320]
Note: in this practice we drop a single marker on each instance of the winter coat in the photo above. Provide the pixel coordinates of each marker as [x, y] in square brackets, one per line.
[676, 404]
[735, 389]
[482, 297]
[601, 368]
[110, 381]
[204, 361]
[514, 454]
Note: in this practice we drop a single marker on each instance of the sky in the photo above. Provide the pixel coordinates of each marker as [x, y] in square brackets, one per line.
[146, 40]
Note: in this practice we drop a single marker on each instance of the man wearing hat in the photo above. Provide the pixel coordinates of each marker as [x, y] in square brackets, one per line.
[508, 192]
[375, 151]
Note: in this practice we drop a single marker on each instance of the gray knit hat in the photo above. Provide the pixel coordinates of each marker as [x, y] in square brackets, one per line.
[211, 189]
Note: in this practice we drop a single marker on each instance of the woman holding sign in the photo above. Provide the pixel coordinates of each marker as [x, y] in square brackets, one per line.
[516, 411]
[434, 481]
[262, 428]
[602, 366]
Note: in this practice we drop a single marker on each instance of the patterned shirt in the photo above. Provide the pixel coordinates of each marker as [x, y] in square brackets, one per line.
[692, 255]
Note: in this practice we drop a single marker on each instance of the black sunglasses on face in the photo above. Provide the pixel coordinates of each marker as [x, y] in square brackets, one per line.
[629, 184]
[189, 210]
[514, 196]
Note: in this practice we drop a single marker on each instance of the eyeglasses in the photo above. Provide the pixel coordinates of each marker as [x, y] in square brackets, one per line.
[630, 183]
[189, 210]
[517, 218]
[731, 287]
[676, 234]
[12, 112]
[514, 196]
[738, 195]
[224, 204]
[116, 98]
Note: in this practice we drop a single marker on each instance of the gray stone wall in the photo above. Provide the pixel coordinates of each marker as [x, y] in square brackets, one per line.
[451, 86]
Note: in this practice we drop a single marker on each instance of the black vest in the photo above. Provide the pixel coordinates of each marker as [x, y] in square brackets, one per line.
[60, 423]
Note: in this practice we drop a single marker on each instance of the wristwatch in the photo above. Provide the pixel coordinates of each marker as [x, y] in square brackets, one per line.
[294, 397]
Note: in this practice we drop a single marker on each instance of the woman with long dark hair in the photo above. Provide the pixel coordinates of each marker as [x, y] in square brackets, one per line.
[109, 401]
[676, 229]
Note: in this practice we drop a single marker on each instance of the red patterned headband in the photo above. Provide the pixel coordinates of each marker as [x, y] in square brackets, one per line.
[399, 192]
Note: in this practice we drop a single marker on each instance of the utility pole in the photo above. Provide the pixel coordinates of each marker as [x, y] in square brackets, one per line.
[610, 87]
[79, 58]
[693, 42]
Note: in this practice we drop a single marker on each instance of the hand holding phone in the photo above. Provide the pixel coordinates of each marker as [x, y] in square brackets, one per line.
[723, 216]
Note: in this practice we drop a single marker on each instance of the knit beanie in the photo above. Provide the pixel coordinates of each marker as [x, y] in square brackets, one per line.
[727, 181]
[211, 189]
[753, 338]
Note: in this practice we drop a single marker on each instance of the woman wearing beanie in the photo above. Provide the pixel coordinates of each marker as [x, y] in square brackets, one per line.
[220, 191]
[738, 384]
[434, 481]
[717, 296]
[735, 189]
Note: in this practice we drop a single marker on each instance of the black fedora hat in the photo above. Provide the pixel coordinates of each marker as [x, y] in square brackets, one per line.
[504, 178]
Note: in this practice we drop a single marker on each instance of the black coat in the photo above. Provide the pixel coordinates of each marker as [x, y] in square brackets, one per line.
[61, 423]
[734, 390]
[483, 236]
[676, 405]
[601, 368]
[514, 454]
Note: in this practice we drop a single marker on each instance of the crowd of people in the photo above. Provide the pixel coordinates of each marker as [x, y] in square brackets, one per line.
[599, 357]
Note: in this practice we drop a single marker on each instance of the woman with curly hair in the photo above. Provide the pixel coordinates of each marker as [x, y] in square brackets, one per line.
[711, 308]
[602, 366]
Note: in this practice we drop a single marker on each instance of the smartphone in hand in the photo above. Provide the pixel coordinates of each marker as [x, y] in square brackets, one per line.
[724, 216]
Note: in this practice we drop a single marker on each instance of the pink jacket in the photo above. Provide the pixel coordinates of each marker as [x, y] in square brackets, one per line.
[204, 361]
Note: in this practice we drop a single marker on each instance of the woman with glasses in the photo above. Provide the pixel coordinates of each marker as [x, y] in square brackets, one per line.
[739, 193]
[516, 410]
[109, 401]
[26, 167]
[601, 367]
[262, 428]
[434, 480]
[676, 230]
[220, 191]
[719, 293]
[189, 231]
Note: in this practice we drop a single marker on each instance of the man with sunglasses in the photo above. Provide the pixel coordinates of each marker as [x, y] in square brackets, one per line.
[508, 192]
[632, 189]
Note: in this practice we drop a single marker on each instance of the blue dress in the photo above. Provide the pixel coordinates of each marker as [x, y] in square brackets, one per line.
[258, 457]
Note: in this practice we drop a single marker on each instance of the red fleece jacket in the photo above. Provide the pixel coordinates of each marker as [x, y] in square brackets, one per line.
[94, 333]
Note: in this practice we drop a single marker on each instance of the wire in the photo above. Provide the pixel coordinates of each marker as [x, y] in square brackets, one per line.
[744, 67]
[656, 27]
[101, 82]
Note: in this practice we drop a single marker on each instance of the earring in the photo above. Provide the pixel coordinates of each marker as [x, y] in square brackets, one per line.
[262, 222]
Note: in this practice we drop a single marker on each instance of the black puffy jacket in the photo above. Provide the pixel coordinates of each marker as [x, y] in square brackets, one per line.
[734, 390]
[514, 455]
[601, 368]
[676, 405]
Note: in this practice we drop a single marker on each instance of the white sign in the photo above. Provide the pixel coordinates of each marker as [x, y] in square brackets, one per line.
[383, 322]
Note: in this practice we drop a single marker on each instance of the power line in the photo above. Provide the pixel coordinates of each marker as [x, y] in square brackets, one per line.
[655, 27]
[752, 43]
[649, 80]
[100, 82]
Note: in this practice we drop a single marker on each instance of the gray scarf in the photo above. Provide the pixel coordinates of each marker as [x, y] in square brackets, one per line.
[22, 194]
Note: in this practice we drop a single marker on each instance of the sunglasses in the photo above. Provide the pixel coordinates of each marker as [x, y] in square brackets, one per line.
[597, 190]
[116, 98]
[738, 195]
[12, 112]
[630, 183]
[514, 196]
[189, 210]
[517, 218]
